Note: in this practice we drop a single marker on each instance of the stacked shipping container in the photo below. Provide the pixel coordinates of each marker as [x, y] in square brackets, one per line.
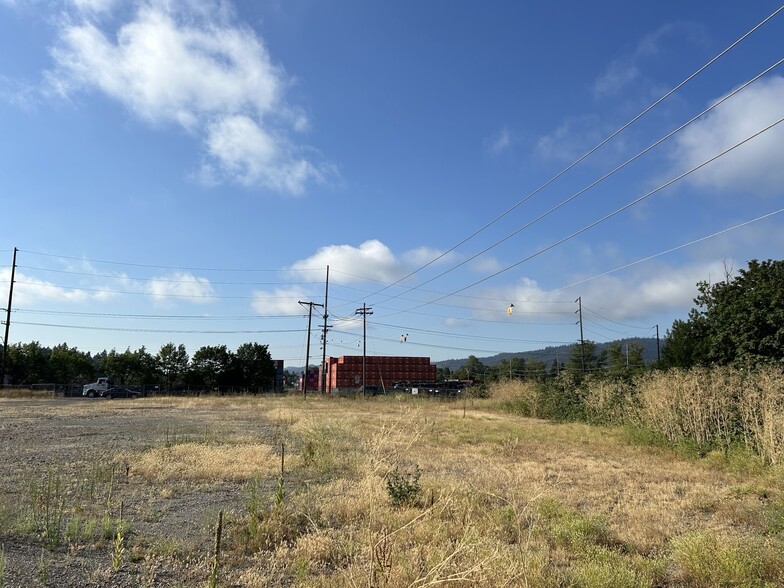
[346, 371]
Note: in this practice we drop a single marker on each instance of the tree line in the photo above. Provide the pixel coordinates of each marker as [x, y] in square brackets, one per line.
[249, 367]
[737, 321]
[583, 358]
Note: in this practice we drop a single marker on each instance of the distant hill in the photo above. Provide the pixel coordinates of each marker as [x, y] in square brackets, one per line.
[561, 353]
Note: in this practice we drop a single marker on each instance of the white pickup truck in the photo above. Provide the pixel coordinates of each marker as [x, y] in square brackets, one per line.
[95, 389]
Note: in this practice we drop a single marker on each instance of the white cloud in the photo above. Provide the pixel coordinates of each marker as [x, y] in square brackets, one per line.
[190, 64]
[425, 255]
[180, 285]
[486, 264]
[625, 70]
[637, 295]
[757, 166]
[280, 301]
[29, 290]
[618, 75]
[94, 6]
[501, 141]
[571, 139]
[252, 156]
[371, 260]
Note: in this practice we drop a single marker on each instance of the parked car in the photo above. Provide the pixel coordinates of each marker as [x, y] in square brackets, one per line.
[120, 393]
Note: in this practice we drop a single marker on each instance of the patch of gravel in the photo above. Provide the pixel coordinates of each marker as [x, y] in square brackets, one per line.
[171, 528]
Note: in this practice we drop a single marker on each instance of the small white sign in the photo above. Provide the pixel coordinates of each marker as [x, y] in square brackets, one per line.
[414, 390]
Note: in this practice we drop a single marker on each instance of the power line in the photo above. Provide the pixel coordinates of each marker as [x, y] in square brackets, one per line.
[670, 250]
[175, 331]
[594, 183]
[155, 294]
[157, 316]
[183, 268]
[593, 149]
[165, 280]
[605, 217]
[646, 328]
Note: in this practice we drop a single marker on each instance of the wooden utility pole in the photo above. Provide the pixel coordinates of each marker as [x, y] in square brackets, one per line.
[310, 306]
[324, 339]
[8, 320]
[364, 311]
[658, 352]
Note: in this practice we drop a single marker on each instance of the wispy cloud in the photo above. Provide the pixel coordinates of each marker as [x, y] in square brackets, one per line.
[180, 285]
[283, 301]
[193, 65]
[501, 141]
[571, 139]
[29, 290]
[425, 255]
[627, 69]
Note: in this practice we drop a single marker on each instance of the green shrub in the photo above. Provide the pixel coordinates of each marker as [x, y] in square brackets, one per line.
[403, 486]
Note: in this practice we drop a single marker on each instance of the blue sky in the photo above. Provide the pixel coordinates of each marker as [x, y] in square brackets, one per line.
[185, 171]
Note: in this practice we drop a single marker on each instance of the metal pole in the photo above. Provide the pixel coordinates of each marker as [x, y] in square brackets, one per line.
[8, 320]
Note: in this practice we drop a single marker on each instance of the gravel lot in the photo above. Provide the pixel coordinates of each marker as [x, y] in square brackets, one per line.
[69, 440]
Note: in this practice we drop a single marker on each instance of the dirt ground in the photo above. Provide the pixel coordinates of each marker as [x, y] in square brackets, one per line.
[69, 439]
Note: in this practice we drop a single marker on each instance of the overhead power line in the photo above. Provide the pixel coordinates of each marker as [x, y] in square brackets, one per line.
[176, 331]
[197, 317]
[164, 280]
[592, 150]
[169, 267]
[594, 183]
[605, 217]
[670, 250]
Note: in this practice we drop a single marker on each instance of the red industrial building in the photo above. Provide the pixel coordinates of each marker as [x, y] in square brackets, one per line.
[346, 371]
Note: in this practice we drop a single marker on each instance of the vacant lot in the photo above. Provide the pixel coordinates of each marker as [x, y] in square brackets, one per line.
[382, 492]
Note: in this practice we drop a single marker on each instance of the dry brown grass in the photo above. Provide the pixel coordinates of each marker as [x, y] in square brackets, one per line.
[505, 502]
[200, 462]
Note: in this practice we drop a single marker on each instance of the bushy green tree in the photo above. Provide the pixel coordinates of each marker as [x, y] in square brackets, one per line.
[253, 366]
[172, 362]
[625, 357]
[585, 358]
[68, 365]
[210, 366]
[472, 369]
[740, 319]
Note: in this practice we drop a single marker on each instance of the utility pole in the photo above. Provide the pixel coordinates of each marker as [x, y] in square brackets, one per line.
[310, 306]
[364, 311]
[324, 339]
[579, 302]
[658, 353]
[8, 320]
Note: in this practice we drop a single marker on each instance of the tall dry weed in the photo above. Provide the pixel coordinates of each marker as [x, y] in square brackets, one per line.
[518, 396]
[761, 408]
[609, 400]
[698, 405]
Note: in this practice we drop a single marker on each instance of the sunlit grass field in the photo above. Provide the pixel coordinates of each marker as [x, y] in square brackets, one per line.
[413, 492]
[407, 492]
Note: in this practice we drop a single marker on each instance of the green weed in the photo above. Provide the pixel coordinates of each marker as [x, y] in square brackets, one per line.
[403, 486]
[704, 559]
[47, 498]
